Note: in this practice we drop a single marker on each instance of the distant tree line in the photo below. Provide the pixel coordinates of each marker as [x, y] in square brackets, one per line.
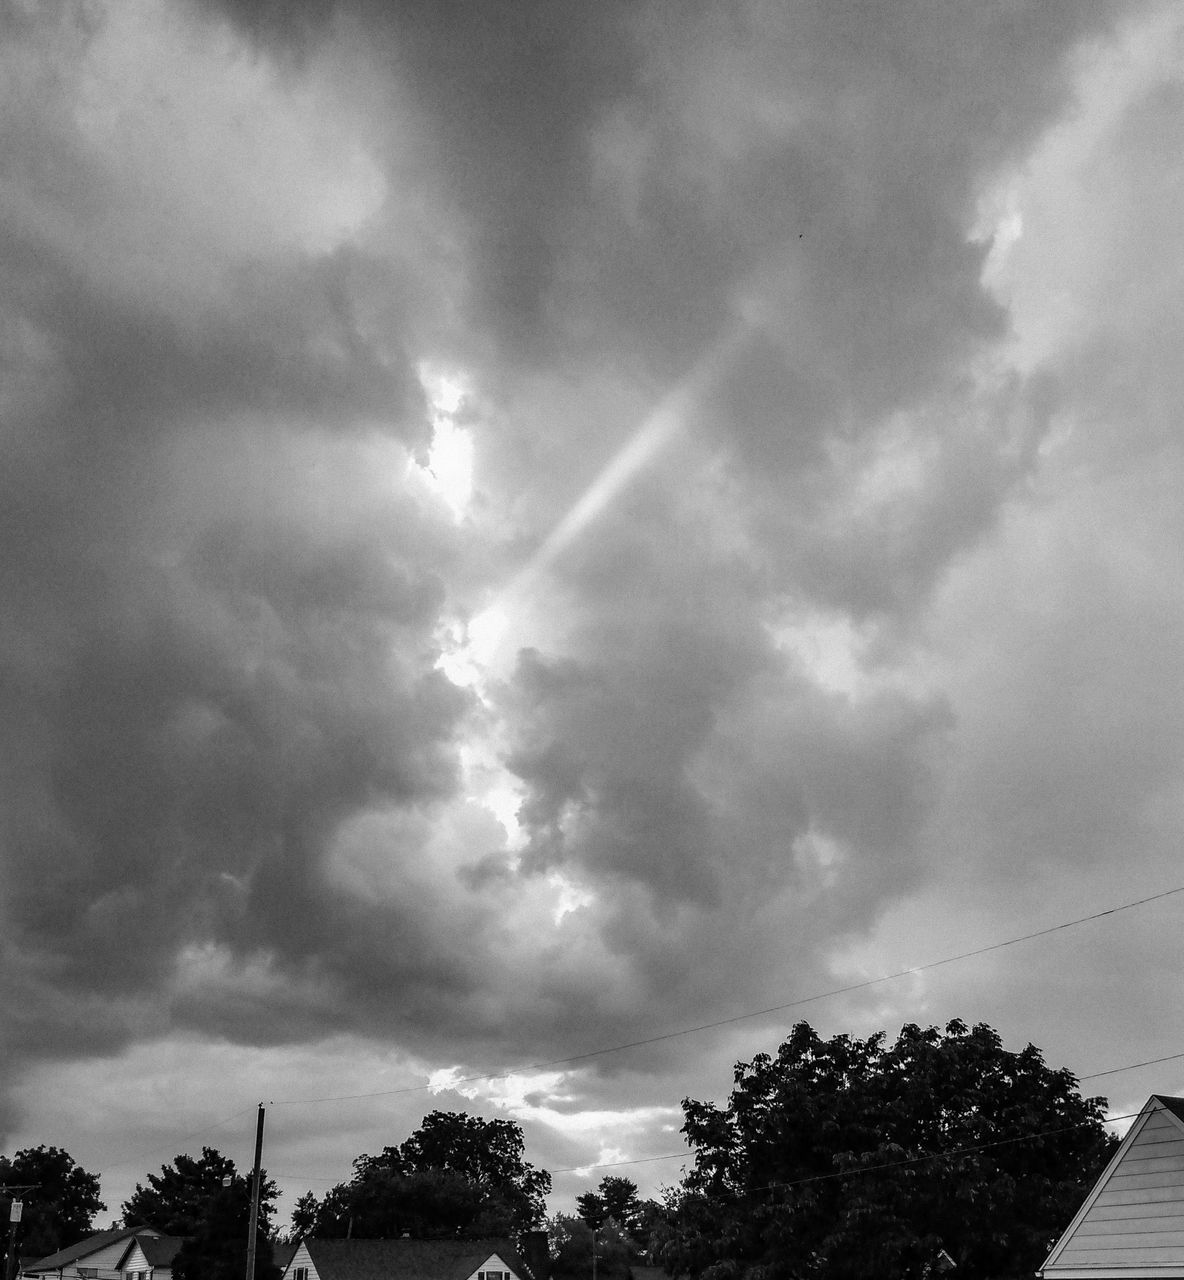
[832, 1160]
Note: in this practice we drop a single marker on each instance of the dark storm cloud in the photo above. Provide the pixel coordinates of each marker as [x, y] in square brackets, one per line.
[214, 643]
[507, 95]
[235, 768]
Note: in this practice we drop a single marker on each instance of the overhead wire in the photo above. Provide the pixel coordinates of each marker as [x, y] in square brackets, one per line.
[197, 1133]
[743, 1017]
[707, 1026]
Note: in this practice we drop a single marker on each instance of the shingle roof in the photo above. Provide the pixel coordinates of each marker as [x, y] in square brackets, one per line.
[408, 1259]
[92, 1244]
[1174, 1105]
[160, 1250]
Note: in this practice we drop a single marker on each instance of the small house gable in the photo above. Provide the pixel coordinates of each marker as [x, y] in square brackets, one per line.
[134, 1262]
[494, 1268]
[1132, 1222]
[300, 1265]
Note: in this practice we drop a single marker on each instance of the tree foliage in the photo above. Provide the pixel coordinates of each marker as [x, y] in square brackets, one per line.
[572, 1242]
[846, 1158]
[623, 1229]
[216, 1249]
[455, 1175]
[181, 1198]
[614, 1200]
[60, 1202]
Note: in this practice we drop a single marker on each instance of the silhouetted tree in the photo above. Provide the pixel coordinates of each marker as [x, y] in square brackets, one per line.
[456, 1175]
[573, 1240]
[181, 1198]
[216, 1248]
[615, 1199]
[846, 1158]
[59, 1205]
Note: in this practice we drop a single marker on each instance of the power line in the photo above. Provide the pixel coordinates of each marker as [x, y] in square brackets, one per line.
[214, 1124]
[1149, 1062]
[682, 1155]
[705, 1026]
[755, 1013]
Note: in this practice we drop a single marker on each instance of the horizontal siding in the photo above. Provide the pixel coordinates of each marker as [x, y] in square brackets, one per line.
[1130, 1259]
[136, 1260]
[1152, 1137]
[1168, 1207]
[1124, 1226]
[1156, 1160]
[301, 1258]
[1162, 1271]
[1129, 1240]
[1143, 1181]
[108, 1257]
[493, 1263]
[1136, 1218]
[1135, 1195]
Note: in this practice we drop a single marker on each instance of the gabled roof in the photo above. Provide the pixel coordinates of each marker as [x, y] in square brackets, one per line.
[409, 1259]
[160, 1250]
[92, 1244]
[157, 1249]
[1174, 1105]
[1132, 1222]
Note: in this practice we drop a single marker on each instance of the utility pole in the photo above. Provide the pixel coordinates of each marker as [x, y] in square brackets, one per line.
[15, 1210]
[14, 1216]
[255, 1190]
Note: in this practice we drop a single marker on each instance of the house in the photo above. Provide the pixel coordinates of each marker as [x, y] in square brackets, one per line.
[1132, 1222]
[405, 1259]
[123, 1253]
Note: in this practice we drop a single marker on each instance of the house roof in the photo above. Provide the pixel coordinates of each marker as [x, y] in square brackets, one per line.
[158, 1250]
[92, 1244]
[411, 1259]
[1132, 1222]
[1174, 1105]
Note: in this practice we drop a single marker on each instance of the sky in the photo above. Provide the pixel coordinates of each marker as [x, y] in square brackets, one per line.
[532, 527]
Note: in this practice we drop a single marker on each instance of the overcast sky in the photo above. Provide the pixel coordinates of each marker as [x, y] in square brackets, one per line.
[527, 527]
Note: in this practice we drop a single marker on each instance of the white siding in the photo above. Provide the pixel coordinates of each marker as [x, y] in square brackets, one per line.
[1133, 1221]
[492, 1263]
[105, 1261]
[301, 1258]
[135, 1261]
[107, 1258]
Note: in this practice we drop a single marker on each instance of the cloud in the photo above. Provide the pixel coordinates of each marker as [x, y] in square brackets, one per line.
[814, 564]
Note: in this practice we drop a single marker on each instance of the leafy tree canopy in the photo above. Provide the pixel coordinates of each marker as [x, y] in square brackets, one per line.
[614, 1200]
[456, 1175]
[59, 1205]
[572, 1241]
[180, 1199]
[846, 1158]
[217, 1247]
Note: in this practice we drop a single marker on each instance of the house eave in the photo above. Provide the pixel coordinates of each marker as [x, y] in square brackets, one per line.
[1141, 1270]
